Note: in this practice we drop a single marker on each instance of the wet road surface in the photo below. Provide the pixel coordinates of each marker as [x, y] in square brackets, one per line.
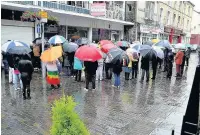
[153, 108]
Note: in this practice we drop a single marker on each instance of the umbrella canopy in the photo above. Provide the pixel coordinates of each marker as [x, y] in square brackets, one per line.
[163, 43]
[75, 37]
[13, 43]
[122, 43]
[57, 39]
[147, 51]
[136, 46]
[71, 47]
[132, 53]
[106, 47]
[159, 52]
[136, 42]
[82, 41]
[88, 53]
[102, 42]
[116, 54]
[155, 40]
[150, 43]
[20, 50]
[93, 44]
[51, 54]
[180, 46]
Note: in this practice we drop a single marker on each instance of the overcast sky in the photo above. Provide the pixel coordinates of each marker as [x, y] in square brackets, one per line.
[197, 5]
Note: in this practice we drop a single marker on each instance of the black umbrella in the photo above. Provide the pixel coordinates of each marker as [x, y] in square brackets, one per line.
[115, 54]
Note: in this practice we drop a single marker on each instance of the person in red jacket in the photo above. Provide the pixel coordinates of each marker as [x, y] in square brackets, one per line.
[179, 59]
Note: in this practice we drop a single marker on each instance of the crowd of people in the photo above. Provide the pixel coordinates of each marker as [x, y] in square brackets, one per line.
[24, 66]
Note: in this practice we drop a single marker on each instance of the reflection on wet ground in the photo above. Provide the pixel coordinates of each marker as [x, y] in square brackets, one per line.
[136, 108]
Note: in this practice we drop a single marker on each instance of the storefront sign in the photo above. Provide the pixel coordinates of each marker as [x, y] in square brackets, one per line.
[44, 16]
[98, 9]
[151, 29]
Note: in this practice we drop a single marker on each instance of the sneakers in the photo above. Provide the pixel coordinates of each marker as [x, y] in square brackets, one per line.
[85, 89]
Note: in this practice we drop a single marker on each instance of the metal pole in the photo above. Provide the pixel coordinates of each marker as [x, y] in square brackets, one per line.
[42, 24]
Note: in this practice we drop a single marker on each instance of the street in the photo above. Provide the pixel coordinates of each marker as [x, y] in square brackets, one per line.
[153, 108]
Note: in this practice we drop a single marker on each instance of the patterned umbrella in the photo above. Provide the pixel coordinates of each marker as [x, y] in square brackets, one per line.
[57, 39]
[122, 43]
[13, 44]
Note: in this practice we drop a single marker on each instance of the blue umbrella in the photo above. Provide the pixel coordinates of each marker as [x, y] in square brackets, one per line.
[82, 41]
[147, 51]
[163, 43]
[57, 39]
[71, 47]
[13, 43]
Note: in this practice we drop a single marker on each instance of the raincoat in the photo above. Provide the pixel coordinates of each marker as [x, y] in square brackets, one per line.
[179, 57]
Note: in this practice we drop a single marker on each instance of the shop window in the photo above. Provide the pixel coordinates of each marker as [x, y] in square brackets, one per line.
[79, 3]
[72, 3]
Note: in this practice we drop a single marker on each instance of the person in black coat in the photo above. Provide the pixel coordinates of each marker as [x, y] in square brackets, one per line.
[170, 60]
[145, 68]
[154, 66]
[90, 73]
[117, 69]
[183, 63]
[26, 69]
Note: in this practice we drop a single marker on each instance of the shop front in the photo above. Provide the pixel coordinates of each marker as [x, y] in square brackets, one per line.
[100, 34]
[77, 31]
[52, 30]
[175, 35]
[148, 32]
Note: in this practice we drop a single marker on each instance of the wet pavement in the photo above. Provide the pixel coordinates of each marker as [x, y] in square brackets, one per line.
[153, 108]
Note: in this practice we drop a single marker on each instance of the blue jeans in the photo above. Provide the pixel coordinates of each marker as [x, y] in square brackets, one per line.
[117, 79]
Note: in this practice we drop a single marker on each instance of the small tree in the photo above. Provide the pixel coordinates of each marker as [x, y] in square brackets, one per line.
[65, 121]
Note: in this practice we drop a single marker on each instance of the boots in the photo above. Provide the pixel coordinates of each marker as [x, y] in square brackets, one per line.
[24, 94]
[28, 93]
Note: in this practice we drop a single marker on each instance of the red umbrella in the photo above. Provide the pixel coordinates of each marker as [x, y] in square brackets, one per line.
[106, 47]
[103, 42]
[88, 53]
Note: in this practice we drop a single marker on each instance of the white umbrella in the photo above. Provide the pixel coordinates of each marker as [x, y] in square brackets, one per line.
[159, 52]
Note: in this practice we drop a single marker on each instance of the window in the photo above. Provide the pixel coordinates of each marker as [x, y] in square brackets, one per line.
[174, 4]
[174, 18]
[184, 7]
[183, 22]
[179, 18]
[168, 17]
[188, 24]
[161, 11]
[129, 7]
[189, 10]
[180, 5]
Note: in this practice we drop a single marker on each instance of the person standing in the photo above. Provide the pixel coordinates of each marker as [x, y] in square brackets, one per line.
[198, 51]
[134, 68]
[170, 60]
[90, 72]
[25, 67]
[179, 59]
[154, 66]
[108, 68]
[117, 69]
[78, 65]
[183, 62]
[165, 59]
[52, 77]
[16, 74]
[145, 68]
[187, 56]
[36, 57]
[99, 72]
[127, 70]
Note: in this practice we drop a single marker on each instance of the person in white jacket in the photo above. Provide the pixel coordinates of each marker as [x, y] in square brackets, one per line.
[99, 71]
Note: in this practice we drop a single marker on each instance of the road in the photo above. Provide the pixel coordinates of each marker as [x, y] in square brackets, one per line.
[153, 108]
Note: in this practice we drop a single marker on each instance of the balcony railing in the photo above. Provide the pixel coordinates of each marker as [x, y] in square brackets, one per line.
[55, 5]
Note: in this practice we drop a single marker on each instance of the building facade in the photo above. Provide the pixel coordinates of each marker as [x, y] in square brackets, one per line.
[176, 16]
[195, 28]
[74, 19]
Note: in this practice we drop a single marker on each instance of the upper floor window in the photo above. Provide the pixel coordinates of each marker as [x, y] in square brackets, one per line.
[180, 5]
[184, 7]
[161, 11]
[168, 17]
[188, 24]
[189, 10]
[179, 18]
[175, 4]
[174, 18]
[183, 22]
[129, 7]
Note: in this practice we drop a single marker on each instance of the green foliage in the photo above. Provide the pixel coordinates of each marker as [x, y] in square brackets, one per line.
[65, 121]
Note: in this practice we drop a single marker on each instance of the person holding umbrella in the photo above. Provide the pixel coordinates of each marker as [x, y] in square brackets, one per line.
[187, 55]
[117, 69]
[145, 68]
[170, 59]
[50, 58]
[26, 69]
[90, 62]
[179, 59]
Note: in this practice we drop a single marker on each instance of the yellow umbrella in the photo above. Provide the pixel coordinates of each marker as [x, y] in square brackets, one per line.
[155, 40]
[51, 54]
